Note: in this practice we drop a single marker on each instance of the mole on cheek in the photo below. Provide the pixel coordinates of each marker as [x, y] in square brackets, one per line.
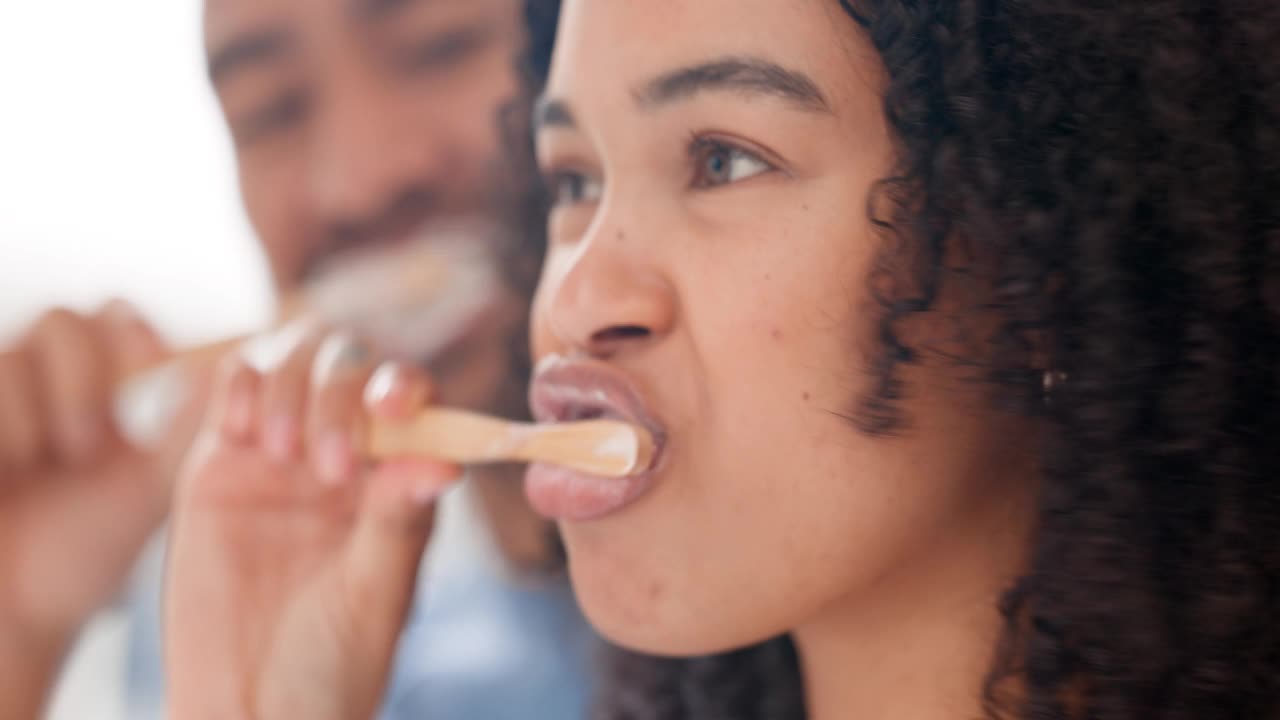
[776, 334]
[654, 590]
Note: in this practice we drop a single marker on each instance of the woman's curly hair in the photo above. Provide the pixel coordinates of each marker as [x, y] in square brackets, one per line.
[1118, 165]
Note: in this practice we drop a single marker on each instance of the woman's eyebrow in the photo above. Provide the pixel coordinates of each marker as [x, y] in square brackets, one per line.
[739, 74]
[745, 75]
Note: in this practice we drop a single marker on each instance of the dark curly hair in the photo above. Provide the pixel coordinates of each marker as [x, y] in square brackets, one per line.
[1117, 166]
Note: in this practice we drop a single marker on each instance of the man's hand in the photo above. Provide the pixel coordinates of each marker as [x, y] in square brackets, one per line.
[77, 502]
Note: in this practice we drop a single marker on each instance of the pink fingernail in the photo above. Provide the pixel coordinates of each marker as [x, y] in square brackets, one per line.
[333, 457]
[280, 437]
[424, 496]
[381, 385]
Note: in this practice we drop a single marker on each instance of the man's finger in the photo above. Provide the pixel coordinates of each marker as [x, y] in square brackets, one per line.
[70, 364]
[22, 444]
[133, 345]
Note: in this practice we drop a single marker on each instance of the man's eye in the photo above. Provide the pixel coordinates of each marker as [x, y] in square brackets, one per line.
[283, 112]
[444, 50]
[717, 163]
[574, 188]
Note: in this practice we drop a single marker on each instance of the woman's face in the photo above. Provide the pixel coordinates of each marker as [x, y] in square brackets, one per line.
[707, 276]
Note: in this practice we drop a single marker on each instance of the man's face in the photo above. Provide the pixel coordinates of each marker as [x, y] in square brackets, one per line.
[357, 121]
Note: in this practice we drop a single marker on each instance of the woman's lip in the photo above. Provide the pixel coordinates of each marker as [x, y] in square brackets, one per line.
[564, 390]
[560, 494]
[560, 389]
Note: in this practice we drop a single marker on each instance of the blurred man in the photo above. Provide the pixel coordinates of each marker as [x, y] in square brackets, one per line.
[356, 123]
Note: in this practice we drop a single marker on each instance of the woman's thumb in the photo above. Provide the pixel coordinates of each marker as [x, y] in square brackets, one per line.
[396, 516]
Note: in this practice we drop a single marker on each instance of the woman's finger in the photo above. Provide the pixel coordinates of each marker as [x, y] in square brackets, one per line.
[285, 390]
[381, 559]
[335, 415]
[235, 400]
[397, 391]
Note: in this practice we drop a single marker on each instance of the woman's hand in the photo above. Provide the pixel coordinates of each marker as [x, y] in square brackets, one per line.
[292, 563]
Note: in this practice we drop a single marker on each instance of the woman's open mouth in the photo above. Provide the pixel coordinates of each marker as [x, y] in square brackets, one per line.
[568, 391]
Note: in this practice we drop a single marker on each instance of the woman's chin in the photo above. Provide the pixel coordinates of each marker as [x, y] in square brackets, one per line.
[673, 641]
[652, 616]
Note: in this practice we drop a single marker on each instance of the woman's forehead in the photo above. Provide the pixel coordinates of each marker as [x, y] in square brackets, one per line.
[622, 47]
[616, 51]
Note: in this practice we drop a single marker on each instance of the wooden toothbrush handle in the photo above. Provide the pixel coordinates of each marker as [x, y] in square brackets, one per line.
[608, 448]
[447, 434]
[292, 306]
[207, 354]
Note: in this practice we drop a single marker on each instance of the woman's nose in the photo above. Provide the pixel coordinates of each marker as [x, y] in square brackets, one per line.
[607, 295]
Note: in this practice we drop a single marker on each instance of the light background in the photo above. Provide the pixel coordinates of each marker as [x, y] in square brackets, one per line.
[116, 176]
[116, 179]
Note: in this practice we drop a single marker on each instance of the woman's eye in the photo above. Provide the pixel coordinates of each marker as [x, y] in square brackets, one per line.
[719, 164]
[573, 188]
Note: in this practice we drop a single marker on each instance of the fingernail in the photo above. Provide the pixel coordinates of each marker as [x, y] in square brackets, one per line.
[280, 438]
[350, 353]
[428, 495]
[333, 457]
[265, 353]
[381, 385]
[432, 488]
[122, 314]
[341, 352]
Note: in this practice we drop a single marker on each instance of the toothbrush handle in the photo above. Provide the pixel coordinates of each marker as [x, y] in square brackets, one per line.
[606, 448]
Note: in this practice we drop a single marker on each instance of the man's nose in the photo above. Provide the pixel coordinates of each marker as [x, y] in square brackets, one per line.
[370, 150]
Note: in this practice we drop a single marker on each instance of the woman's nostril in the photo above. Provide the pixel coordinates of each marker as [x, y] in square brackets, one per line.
[620, 333]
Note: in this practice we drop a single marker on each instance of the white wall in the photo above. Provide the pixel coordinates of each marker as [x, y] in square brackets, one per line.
[116, 176]
[116, 179]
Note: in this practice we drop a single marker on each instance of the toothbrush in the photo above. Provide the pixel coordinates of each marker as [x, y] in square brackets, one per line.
[605, 448]
[429, 286]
